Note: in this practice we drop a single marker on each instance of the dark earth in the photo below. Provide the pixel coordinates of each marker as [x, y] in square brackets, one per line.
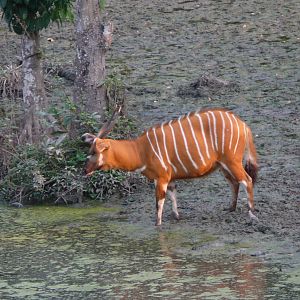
[252, 50]
[181, 56]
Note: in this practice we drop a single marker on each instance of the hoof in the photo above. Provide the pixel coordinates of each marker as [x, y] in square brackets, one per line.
[175, 216]
[232, 208]
[252, 216]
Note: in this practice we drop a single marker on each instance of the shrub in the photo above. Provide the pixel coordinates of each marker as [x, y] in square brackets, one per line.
[53, 171]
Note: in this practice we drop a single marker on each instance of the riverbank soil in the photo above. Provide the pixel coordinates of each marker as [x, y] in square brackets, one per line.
[253, 49]
[250, 53]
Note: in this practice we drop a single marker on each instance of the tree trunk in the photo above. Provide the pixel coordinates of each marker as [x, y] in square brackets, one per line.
[34, 97]
[89, 91]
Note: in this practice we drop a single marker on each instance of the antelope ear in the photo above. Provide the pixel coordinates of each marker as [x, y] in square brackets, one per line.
[88, 138]
[103, 146]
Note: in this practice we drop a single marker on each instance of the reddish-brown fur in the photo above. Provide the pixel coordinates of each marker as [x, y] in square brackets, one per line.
[221, 142]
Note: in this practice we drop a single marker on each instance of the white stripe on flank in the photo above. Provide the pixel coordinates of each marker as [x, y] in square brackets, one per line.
[203, 134]
[215, 129]
[175, 147]
[231, 129]
[223, 131]
[245, 132]
[165, 146]
[186, 145]
[156, 154]
[238, 133]
[195, 140]
[157, 145]
[247, 142]
[210, 132]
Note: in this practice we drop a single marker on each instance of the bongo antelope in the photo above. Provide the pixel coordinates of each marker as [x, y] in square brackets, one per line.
[190, 146]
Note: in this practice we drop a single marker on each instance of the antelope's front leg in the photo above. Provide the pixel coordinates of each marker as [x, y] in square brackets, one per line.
[160, 192]
[172, 193]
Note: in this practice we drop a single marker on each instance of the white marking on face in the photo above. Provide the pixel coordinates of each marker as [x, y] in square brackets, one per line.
[165, 146]
[203, 134]
[156, 154]
[175, 147]
[186, 145]
[88, 138]
[195, 140]
[231, 129]
[238, 133]
[223, 131]
[210, 131]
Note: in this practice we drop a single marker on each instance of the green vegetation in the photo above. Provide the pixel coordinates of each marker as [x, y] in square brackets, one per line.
[53, 170]
[31, 16]
[41, 154]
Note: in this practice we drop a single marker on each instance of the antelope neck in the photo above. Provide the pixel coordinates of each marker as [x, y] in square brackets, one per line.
[126, 154]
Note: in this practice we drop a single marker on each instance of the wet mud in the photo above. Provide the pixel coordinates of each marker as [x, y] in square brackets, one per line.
[188, 55]
[195, 54]
[250, 52]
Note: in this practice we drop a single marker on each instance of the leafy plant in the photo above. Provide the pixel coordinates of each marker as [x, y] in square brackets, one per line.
[52, 172]
[24, 16]
[102, 4]
[115, 86]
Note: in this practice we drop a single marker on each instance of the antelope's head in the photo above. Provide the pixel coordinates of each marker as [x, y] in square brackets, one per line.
[100, 155]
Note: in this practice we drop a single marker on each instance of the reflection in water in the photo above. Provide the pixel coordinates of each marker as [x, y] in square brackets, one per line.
[78, 253]
[239, 276]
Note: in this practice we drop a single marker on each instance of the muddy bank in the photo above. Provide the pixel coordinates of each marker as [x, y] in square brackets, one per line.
[254, 47]
[167, 45]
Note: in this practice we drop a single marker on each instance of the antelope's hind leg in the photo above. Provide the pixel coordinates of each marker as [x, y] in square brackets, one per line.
[234, 187]
[172, 194]
[240, 175]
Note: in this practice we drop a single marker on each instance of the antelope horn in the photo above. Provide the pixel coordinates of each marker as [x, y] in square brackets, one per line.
[108, 126]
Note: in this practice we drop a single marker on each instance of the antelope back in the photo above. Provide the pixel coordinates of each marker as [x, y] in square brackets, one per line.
[192, 143]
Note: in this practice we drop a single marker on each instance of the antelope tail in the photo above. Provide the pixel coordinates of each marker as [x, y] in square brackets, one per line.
[251, 166]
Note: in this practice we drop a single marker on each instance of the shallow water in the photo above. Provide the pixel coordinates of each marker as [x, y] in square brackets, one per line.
[98, 253]
[91, 253]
